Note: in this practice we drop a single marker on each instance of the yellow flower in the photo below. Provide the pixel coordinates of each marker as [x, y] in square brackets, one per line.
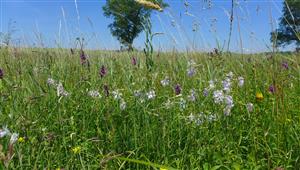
[21, 140]
[76, 149]
[149, 4]
[163, 169]
[259, 96]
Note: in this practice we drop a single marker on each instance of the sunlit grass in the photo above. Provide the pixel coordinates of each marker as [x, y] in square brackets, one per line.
[81, 132]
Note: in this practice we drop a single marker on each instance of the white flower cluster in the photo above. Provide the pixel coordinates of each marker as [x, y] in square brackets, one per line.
[165, 82]
[60, 90]
[151, 94]
[13, 136]
[94, 94]
[200, 118]
[118, 96]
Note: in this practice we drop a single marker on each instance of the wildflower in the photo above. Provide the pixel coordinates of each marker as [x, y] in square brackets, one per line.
[191, 63]
[123, 105]
[13, 138]
[226, 85]
[177, 89]
[4, 132]
[94, 94]
[106, 90]
[227, 111]
[218, 96]
[102, 71]
[182, 104]
[61, 91]
[241, 81]
[137, 93]
[192, 96]
[228, 101]
[82, 57]
[211, 117]
[229, 75]
[250, 107]
[205, 92]
[168, 104]
[272, 89]
[151, 94]
[285, 65]
[117, 95]
[191, 117]
[21, 140]
[191, 71]
[134, 61]
[211, 84]
[76, 150]
[149, 4]
[165, 81]
[259, 96]
[51, 82]
[1, 74]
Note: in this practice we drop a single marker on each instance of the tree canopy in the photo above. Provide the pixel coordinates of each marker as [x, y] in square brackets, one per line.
[128, 18]
[289, 26]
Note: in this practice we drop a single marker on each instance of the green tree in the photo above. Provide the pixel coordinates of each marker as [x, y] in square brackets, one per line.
[129, 18]
[289, 26]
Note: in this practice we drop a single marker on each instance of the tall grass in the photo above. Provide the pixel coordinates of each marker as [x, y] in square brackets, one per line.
[148, 133]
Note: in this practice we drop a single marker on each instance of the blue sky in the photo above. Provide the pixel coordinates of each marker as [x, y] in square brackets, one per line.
[58, 23]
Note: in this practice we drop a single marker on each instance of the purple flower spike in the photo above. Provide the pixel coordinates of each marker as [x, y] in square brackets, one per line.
[102, 71]
[134, 61]
[1, 74]
[82, 57]
[272, 89]
[106, 90]
[285, 65]
[177, 89]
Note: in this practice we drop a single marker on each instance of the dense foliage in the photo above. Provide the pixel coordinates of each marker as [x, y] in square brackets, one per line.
[289, 26]
[128, 17]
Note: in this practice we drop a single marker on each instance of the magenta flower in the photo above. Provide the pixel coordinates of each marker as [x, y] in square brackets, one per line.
[82, 57]
[102, 71]
[1, 74]
[177, 89]
[285, 65]
[134, 61]
[272, 89]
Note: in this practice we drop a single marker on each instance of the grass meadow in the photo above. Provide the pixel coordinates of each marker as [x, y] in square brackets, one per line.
[192, 111]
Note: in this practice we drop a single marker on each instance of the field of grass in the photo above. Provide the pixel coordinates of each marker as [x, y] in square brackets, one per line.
[192, 111]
